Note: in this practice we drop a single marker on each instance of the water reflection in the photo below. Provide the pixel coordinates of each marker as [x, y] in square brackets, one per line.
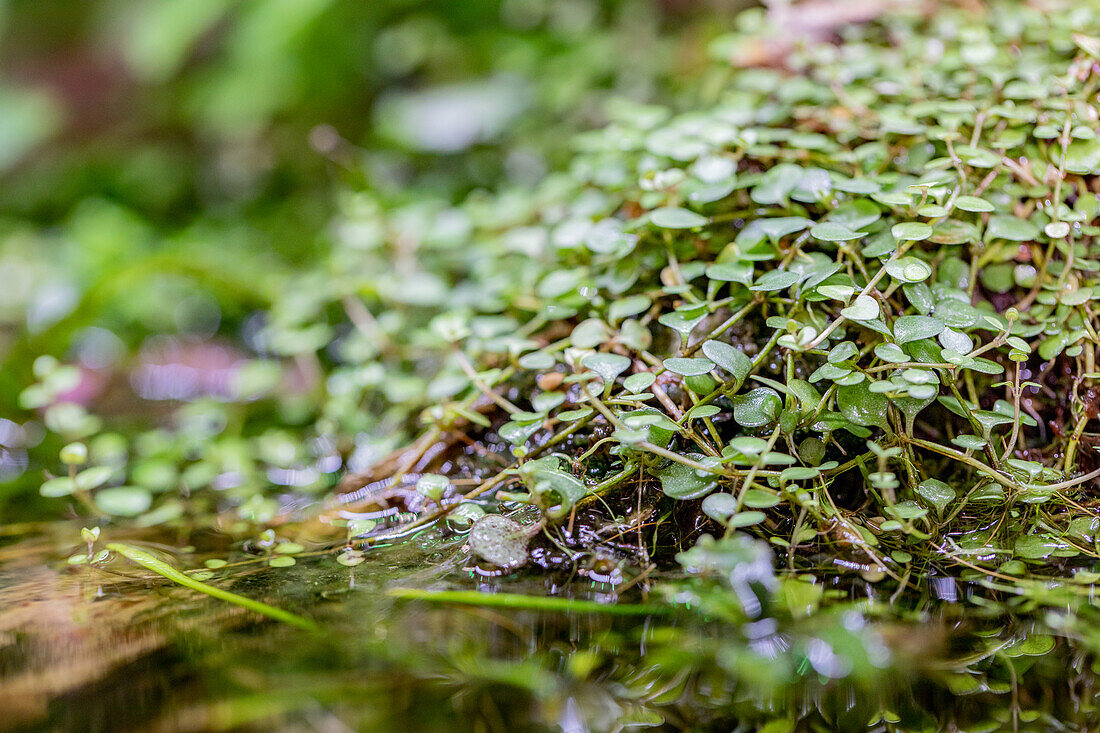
[117, 649]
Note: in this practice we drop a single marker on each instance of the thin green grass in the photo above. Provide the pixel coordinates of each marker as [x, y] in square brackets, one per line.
[150, 562]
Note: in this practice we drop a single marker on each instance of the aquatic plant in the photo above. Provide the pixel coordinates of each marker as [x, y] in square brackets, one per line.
[822, 328]
[843, 305]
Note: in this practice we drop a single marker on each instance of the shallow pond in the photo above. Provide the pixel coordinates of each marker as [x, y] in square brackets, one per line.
[116, 647]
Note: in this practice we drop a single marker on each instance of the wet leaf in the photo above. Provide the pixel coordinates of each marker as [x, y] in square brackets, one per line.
[914, 328]
[684, 482]
[936, 493]
[758, 407]
[862, 406]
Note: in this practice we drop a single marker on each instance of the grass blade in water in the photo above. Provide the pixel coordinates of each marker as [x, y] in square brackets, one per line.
[150, 562]
[526, 603]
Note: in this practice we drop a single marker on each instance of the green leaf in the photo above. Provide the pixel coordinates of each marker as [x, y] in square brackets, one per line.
[517, 433]
[676, 218]
[758, 407]
[777, 183]
[734, 272]
[773, 280]
[608, 366]
[702, 411]
[544, 475]
[759, 499]
[855, 214]
[779, 227]
[746, 519]
[973, 203]
[862, 406]
[843, 351]
[589, 334]
[891, 353]
[57, 487]
[893, 198]
[954, 231]
[91, 478]
[909, 269]
[637, 382]
[688, 367]
[124, 501]
[719, 507]
[798, 473]
[1011, 228]
[914, 328]
[863, 308]
[729, 358]
[684, 482]
[911, 231]
[684, 320]
[969, 442]
[936, 493]
[831, 231]
[626, 307]
[1038, 547]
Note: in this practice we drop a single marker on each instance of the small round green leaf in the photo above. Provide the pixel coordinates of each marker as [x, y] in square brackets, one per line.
[676, 218]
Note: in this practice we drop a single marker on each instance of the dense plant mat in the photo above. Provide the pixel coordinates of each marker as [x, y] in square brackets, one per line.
[812, 348]
[844, 305]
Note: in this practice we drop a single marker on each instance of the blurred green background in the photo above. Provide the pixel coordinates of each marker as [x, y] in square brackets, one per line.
[171, 174]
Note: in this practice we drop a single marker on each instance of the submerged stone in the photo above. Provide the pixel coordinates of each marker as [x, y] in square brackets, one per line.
[500, 540]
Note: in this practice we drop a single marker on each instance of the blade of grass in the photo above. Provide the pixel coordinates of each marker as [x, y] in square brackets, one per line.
[527, 603]
[150, 562]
